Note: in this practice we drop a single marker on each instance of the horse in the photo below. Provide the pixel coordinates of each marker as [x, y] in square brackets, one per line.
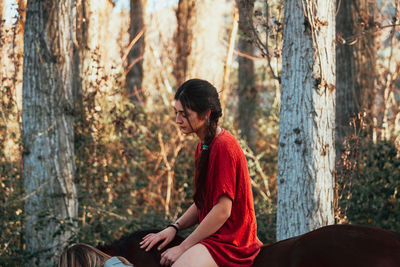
[328, 246]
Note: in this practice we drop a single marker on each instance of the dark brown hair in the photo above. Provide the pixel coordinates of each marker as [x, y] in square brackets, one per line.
[201, 96]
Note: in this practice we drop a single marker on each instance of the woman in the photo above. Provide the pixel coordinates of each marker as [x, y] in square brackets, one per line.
[223, 201]
[84, 255]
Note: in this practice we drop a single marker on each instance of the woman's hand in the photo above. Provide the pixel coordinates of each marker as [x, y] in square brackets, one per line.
[169, 256]
[150, 240]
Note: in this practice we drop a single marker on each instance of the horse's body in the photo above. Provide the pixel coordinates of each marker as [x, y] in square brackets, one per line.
[335, 246]
[329, 246]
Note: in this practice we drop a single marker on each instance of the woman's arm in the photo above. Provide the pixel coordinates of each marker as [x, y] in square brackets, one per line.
[188, 219]
[210, 224]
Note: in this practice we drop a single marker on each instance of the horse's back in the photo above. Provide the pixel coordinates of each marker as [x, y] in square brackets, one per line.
[333, 246]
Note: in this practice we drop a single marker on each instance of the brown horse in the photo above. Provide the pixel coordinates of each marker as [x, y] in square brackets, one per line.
[329, 246]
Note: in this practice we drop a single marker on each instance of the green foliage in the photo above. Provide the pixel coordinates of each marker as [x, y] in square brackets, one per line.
[369, 183]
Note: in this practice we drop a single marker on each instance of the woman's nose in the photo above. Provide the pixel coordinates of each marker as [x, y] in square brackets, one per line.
[178, 118]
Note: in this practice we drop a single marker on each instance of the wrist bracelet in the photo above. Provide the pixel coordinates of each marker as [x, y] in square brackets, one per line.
[173, 226]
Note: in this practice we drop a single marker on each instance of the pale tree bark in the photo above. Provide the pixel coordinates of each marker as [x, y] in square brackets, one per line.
[355, 65]
[135, 58]
[200, 52]
[51, 204]
[307, 119]
[247, 91]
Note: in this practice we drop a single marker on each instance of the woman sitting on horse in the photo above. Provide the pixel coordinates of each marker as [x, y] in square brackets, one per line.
[223, 201]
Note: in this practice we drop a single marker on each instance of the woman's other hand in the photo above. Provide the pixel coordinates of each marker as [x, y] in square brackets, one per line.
[169, 256]
[150, 240]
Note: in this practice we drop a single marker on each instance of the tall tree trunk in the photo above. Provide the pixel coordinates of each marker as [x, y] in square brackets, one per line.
[200, 53]
[186, 18]
[355, 65]
[3, 51]
[135, 58]
[247, 91]
[51, 205]
[307, 119]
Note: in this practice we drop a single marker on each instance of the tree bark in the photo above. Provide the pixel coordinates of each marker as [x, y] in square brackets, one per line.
[51, 205]
[355, 65]
[135, 61]
[186, 18]
[2, 43]
[307, 118]
[247, 91]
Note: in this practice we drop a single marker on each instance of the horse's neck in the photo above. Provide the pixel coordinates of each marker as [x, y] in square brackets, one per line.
[108, 249]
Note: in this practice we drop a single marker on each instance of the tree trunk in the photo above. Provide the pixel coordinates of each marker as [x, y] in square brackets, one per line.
[307, 119]
[3, 51]
[51, 206]
[186, 18]
[355, 65]
[135, 58]
[200, 53]
[247, 91]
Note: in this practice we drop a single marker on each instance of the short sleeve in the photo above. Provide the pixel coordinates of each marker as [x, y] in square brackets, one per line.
[222, 173]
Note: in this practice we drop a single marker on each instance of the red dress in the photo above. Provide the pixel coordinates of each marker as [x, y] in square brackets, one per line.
[236, 242]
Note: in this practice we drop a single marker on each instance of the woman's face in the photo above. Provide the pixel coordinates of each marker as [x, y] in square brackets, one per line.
[197, 122]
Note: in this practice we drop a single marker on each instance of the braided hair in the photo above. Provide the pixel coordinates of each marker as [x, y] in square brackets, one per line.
[201, 96]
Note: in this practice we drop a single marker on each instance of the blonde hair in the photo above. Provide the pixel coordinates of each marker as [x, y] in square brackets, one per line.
[84, 255]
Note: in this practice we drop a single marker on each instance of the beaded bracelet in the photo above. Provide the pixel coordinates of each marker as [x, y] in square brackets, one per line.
[173, 226]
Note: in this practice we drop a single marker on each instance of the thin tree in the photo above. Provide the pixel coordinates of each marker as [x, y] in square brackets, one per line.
[247, 91]
[51, 203]
[2, 42]
[307, 118]
[135, 58]
[355, 65]
[186, 17]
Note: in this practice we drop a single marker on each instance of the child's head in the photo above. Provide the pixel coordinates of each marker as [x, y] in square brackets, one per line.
[84, 255]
